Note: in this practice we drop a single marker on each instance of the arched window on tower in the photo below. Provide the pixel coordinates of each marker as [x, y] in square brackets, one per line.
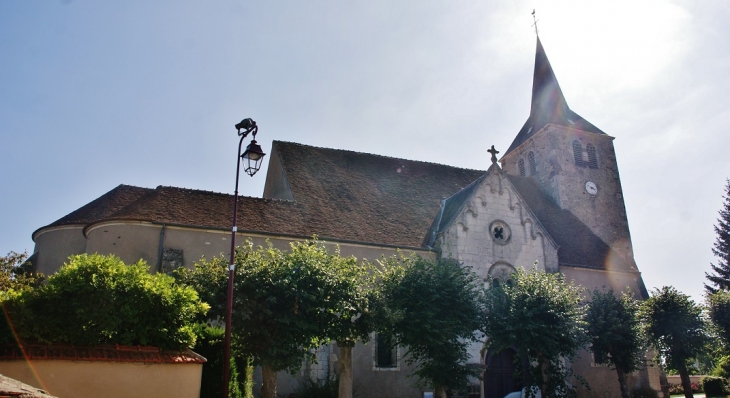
[521, 165]
[592, 160]
[533, 165]
[578, 153]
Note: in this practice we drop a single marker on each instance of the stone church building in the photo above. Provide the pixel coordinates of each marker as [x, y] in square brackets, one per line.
[554, 198]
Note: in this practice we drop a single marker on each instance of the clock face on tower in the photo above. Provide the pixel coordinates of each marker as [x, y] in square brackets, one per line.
[591, 188]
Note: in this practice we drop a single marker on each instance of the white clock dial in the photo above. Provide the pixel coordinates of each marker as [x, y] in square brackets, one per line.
[591, 188]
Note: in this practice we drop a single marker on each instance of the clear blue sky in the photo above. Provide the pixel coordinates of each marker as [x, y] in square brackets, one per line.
[98, 93]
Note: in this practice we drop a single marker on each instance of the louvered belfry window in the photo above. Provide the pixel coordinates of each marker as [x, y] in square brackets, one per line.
[592, 160]
[578, 153]
[533, 165]
[521, 165]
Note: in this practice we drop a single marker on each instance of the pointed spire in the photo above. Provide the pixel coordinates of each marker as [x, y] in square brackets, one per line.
[548, 103]
[547, 98]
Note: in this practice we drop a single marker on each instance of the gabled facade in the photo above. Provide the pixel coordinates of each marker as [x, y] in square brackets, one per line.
[555, 203]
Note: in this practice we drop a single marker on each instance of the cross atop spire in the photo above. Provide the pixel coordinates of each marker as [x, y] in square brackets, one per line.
[534, 18]
[494, 153]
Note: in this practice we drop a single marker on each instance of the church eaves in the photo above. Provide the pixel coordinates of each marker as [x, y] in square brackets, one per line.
[548, 104]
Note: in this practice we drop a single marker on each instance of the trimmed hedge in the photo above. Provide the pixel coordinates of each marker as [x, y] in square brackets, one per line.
[95, 299]
[714, 386]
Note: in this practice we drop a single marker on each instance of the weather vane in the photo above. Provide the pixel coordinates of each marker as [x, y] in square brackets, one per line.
[534, 18]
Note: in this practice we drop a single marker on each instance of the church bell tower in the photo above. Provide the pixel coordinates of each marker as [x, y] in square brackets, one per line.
[572, 160]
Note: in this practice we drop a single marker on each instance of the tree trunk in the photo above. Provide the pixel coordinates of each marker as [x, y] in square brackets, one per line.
[345, 387]
[526, 371]
[622, 383]
[686, 384]
[440, 392]
[544, 364]
[268, 382]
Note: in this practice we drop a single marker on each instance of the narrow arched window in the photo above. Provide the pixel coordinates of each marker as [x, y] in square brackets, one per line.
[592, 160]
[578, 153]
[533, 165]
[521, 165]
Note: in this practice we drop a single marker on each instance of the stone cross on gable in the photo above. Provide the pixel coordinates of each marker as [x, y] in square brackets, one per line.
[494, 153]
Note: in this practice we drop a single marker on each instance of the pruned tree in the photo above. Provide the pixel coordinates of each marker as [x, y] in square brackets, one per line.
[287, 304]
[539, 314]
[614, 327]
[719, 278]
[675, 328]
[435, 309]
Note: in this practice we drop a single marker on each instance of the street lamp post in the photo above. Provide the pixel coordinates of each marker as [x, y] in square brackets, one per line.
[252, 158]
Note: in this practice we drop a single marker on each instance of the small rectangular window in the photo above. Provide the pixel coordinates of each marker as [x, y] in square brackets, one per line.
[385, 352]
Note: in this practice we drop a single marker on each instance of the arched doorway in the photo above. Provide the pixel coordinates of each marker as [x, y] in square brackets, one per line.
[499, 376]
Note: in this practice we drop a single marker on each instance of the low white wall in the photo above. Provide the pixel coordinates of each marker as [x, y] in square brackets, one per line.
[87, 379]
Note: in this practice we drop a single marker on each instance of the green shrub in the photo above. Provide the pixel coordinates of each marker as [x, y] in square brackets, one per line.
[324, 388]
[644, 392]
[95, 299]
[722, 368]
[714, 386]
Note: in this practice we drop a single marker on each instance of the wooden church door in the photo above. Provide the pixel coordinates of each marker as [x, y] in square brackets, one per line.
[499, 377]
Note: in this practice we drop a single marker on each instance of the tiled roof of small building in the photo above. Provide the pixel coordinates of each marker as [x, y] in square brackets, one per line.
[102, 353]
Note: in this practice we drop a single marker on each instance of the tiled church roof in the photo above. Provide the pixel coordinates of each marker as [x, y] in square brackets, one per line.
[101, 207]
[366, 197]
[345, 195]
[338, 194]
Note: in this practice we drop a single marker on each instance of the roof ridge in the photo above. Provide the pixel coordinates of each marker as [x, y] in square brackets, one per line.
[377, 155]
[159, 187]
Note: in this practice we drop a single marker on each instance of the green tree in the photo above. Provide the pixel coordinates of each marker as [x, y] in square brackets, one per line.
[17, 273]
[435, 309]
[719, 312]
[541, 315]
[95, 299]
[675, 328]
[210, 279]
[720, 277]
[614, 327]
[286, 304]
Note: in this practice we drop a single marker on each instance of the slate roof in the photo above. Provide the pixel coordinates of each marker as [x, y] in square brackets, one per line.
[548, 103]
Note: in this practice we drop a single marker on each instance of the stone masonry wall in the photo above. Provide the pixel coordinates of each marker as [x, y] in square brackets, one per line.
[469, 239]
[565, 181]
